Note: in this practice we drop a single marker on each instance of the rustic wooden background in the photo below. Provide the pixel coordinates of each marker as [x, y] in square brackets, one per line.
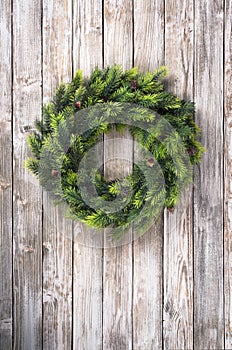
[171, 289]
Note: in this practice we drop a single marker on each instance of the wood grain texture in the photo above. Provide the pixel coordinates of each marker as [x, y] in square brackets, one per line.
[228, 174]
[208, 194]
[117, 292]
[118, 33]
[178, 247]
[117, 270]
[147, 290]
[57, 278]
[57, 45]
[117, 325]
[87, 278]
[57, 230]
[148, 34]
[5, 180]
[27, 204]
[178, 277]
[148, 251]
[87, 308]
[87, 35]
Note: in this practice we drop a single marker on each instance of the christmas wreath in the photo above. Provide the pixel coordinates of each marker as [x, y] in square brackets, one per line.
[81, 113]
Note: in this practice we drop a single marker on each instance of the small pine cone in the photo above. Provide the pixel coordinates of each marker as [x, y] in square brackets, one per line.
[134, 84]
[55, 173]
[78, 104]
[126, 191]
[151, 162]
[191, 151]
[171, 210]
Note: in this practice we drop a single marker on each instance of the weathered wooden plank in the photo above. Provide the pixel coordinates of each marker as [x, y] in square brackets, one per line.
[57, 230]
[118, 35]
[227, 174]
[5, 180]
[88, 35]
[27, 204]
[178, 247]
[57, 45]
[147, 301]
[57, 278]
[178, 277]
[87, 303]
[148, 34]
[148, 251]
[117, 270]
[208, 194]
[87, 278]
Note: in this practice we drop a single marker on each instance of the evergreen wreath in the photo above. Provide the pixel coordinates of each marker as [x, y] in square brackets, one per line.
[59, 147]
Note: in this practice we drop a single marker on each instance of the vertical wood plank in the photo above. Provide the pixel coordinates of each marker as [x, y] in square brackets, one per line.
[57, 230]
[118, 35]
[87, 278]
[208, 194]
[148, 34]
[117, 270]
[178, 247]
[27, 193]
[5, 180]
[148, 281]
[178, 277]
[87, 35]
[227, 175]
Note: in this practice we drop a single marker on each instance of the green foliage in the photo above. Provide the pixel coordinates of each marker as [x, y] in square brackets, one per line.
[35, 142]
[58, 148]
[32, 165]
